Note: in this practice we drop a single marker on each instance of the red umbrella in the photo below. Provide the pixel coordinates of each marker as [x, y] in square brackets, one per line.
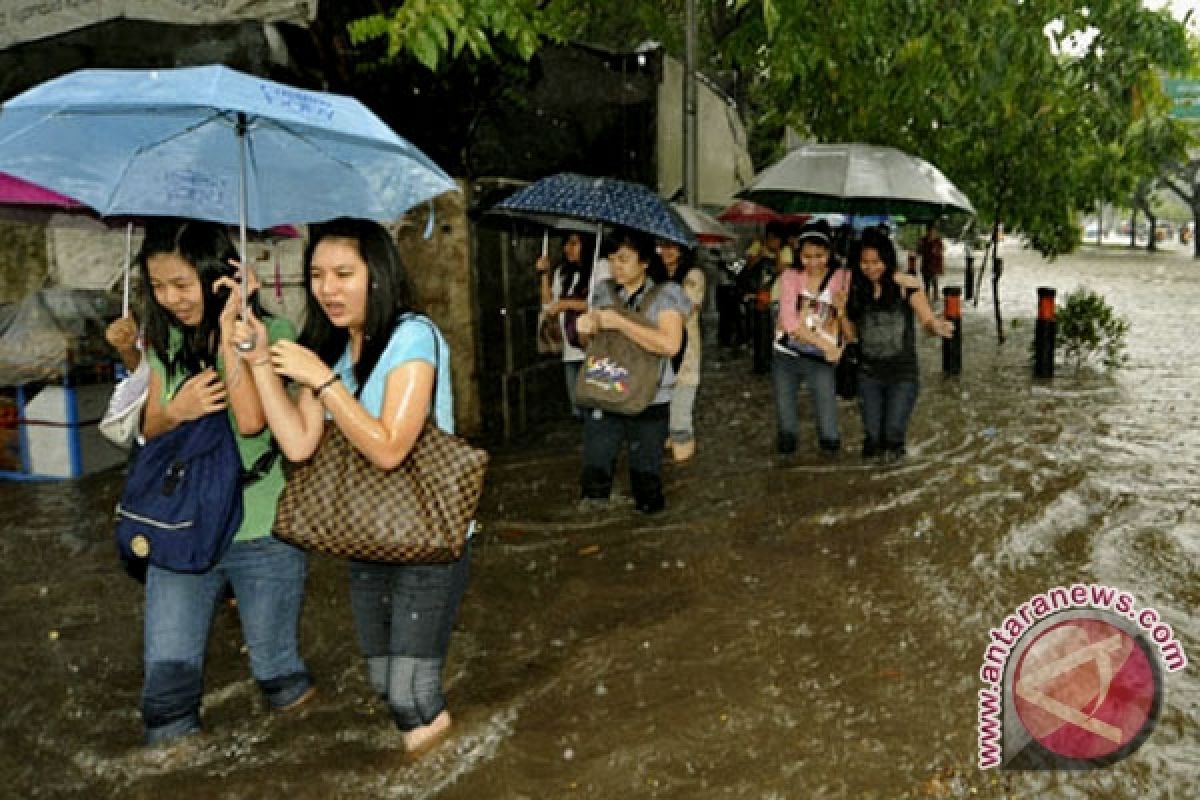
[743, 212]
[18, 192]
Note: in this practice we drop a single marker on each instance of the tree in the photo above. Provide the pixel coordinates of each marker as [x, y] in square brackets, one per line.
[1036, 108]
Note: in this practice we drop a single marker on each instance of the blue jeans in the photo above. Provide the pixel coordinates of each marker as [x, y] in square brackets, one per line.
[886, 409]
[646, 432]
[404, 614]
[683, 402]
[787, 373]
[571, 373]
[267, 577]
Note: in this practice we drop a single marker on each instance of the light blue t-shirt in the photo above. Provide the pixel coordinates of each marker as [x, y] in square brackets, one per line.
[415, 338]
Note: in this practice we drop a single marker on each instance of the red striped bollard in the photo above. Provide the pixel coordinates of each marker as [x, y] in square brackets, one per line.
[952, 347]
[1044, 334]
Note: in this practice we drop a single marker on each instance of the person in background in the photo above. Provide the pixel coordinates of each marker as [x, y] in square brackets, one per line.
[564, 291]
[882, 307]
[665, 308]
[766, 259]
[812, 330]
[932, 251]
[195, 370]
[371, 364]
[677, 266]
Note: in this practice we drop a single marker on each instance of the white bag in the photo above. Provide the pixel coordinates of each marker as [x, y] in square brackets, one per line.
[123, 419]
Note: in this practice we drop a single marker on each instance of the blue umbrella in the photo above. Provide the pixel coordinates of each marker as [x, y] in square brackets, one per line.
[568, 196]
[212, 143]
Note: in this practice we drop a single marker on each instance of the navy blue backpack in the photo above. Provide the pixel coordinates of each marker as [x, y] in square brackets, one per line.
[182, 502]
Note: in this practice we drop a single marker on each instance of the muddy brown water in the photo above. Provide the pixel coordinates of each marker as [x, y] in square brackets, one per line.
[798, 629]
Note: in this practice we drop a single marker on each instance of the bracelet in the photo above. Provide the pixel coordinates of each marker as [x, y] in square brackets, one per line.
[332, 380]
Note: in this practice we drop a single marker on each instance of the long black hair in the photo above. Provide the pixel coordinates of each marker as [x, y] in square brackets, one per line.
[578, 274]
[658, 268]
[389, 294]
[207, 248]
[881, 243]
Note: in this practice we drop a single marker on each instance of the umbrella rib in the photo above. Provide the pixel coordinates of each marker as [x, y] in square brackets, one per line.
[147, 147]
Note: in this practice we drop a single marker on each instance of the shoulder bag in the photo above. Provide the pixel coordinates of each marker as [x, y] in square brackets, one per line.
[182, 501]
[341, 504]
[618, 375]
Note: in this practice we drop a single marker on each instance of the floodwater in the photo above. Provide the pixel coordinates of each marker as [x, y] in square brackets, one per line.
[798, 629]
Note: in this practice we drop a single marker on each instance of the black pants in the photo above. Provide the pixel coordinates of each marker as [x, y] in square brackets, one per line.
[762, 331]
[729, 316]
[646, 433]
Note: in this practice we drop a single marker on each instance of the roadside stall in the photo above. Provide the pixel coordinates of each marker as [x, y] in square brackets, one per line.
[56, 375]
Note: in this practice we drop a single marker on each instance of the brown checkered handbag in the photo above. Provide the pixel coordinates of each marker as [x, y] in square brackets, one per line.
[341, 504]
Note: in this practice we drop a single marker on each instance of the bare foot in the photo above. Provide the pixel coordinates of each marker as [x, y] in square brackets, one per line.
[420, 741]
[300, 701]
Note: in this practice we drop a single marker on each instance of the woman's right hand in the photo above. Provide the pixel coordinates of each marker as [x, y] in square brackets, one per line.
[543, 265]
[200, 395]
[586, 323]
[122, 333]
[252, 330]
[832, 351]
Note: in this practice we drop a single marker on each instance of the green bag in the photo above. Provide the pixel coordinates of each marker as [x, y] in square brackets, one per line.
[617, 375]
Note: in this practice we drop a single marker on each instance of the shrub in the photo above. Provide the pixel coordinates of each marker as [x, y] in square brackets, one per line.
[1089, 330]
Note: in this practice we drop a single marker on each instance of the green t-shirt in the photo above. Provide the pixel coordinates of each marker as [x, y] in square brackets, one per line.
[260, 497]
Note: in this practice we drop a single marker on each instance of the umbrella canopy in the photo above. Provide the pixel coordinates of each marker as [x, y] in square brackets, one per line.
[707, 228]
[857, 179]
[211, 143]
[17, 192]
[568, 196]
[743, 212]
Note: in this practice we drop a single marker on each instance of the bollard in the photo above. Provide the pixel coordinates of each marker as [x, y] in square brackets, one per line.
[969, 276]
[1044, 334]
[952, 347]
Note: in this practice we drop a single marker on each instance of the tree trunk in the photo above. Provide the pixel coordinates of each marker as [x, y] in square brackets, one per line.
[1151, 239]
[1133, 229]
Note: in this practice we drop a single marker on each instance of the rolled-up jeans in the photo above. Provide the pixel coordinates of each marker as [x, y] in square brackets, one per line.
[788, 371]
[267, 576]
[683, 403]
[404, 614]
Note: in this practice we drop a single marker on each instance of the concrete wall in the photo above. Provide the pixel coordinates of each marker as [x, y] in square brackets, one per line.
[23, 260]
[724, 158]
[440, 269]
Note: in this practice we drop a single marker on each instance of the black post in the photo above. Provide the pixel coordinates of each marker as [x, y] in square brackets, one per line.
[1044, 334]
[952, 347]
[997, 271]
[969, 277]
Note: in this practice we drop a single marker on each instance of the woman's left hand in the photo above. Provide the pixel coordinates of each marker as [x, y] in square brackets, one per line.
[942, 327]
[297, 362]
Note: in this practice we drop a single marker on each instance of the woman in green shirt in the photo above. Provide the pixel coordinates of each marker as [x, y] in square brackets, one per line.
[191, 308]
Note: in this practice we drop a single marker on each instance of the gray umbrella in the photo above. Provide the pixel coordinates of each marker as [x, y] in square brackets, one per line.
[856, 179]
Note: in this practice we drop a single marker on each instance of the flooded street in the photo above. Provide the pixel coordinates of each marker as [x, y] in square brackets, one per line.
[787, 629]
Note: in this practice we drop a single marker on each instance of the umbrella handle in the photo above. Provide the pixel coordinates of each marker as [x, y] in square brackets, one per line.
[247, 344]
[128, 259]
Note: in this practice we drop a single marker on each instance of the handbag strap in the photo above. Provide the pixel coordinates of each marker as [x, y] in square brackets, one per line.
[437, 360]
